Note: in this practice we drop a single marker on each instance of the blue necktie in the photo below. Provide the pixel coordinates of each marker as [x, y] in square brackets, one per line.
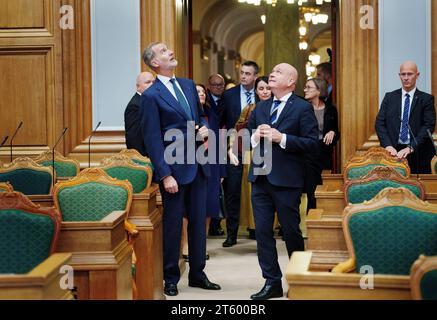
[404, 129]
[248, 97]
[181, 98]
[274, 111]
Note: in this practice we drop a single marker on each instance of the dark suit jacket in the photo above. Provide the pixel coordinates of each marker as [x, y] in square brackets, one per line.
[230, 107]
[161, 112]
[132, 126]
[298, 122]
[422, 117]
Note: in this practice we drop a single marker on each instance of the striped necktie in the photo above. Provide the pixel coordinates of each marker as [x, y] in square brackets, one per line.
[404, 128]
[248, 97]
[181, 98]
[274, 111]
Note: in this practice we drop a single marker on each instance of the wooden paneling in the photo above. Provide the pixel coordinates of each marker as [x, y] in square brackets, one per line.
[24, 93]
[21, 14]
[357, 77]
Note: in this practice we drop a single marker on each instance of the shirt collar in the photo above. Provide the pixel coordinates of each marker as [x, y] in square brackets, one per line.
[284, 98]
[165, 80]
[411, 93]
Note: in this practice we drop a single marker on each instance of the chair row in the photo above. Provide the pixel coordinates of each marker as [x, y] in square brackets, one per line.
[36, 177]
[384, 237]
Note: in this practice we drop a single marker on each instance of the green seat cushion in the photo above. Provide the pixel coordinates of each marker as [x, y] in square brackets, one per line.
[62, 169]
[359, 193]
[359, 172]
[91, 201]
[428, 285]
[137, 178]
[25, 240]
[392, 238]
[28, 181]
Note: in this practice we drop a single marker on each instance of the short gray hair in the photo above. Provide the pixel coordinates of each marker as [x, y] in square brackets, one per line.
[148, 54]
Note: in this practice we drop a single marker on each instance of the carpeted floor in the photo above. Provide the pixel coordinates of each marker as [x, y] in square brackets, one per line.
[235, 269]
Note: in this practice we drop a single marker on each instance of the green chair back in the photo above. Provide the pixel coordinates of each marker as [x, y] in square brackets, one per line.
[91, 196]
[390, 237]
[62, 169]
[138, 178]
[28, 234]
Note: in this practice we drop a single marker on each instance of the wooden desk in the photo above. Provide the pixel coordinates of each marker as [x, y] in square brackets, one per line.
[101, 257]
[41, 283]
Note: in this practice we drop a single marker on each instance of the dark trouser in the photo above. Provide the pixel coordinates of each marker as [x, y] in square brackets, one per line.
[416, 164]
[189, 201]
[233, 198]
[266, 199]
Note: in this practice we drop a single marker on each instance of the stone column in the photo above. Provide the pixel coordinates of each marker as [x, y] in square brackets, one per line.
[282, 39]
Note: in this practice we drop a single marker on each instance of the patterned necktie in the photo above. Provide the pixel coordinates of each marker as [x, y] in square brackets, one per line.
[181, 98]
[274, 111]
[248, 97]
[404, 129]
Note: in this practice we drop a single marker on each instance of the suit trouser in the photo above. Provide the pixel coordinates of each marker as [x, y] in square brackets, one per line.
[266, 199]
[191, 202]
[233, 198]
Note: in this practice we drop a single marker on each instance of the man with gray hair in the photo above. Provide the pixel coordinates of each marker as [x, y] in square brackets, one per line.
[173, 104]
[132, 125]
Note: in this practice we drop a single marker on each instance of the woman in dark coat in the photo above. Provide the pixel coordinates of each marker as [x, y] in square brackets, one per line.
[327, 119]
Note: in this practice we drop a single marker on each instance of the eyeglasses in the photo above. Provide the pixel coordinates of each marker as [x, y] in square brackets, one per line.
[218, 85]
[308, 88]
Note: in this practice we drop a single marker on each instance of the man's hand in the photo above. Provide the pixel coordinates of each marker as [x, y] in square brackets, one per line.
[203, 132]
[404, 153]
[329, 137]
[170, 185]
[258, 133]
[270, 134]
[392, 151]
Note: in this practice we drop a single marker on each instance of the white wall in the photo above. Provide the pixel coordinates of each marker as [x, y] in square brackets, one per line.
[404, 34]
[116, 56]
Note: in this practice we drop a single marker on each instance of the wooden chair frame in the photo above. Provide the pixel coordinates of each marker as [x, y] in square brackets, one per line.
[385, 173]
[134, 154]
[18, 201]
[48, 156]
[28, 163]
[6, 187]
[418, 270]
[433, 165]
[376, 158]
[387, 197]
[119, 160]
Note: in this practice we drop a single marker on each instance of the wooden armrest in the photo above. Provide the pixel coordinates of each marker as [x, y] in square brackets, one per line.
[345, 267]
[130, 228]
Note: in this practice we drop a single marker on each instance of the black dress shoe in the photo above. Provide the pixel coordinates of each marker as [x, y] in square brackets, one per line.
[251, 234]
[171, 289]
[268, 292]
[229, 242]
[204, 284]
[216, 232]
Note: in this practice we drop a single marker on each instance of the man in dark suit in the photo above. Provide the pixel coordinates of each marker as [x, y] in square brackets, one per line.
[232, 103]
[403, 120]
[286, 130]
[324, 72]
[132, 123]
[216, 87]
[170, 110]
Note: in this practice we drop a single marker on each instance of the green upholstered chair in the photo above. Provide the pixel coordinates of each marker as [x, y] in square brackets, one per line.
[423, 278]
[28, 233]
[359, 166]
[123, 168]
[28, 177]
[389, 232]
[91, 196]
[137, 158]
[434, 165]
[5, 187]
[64, 167]
[364, 189]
